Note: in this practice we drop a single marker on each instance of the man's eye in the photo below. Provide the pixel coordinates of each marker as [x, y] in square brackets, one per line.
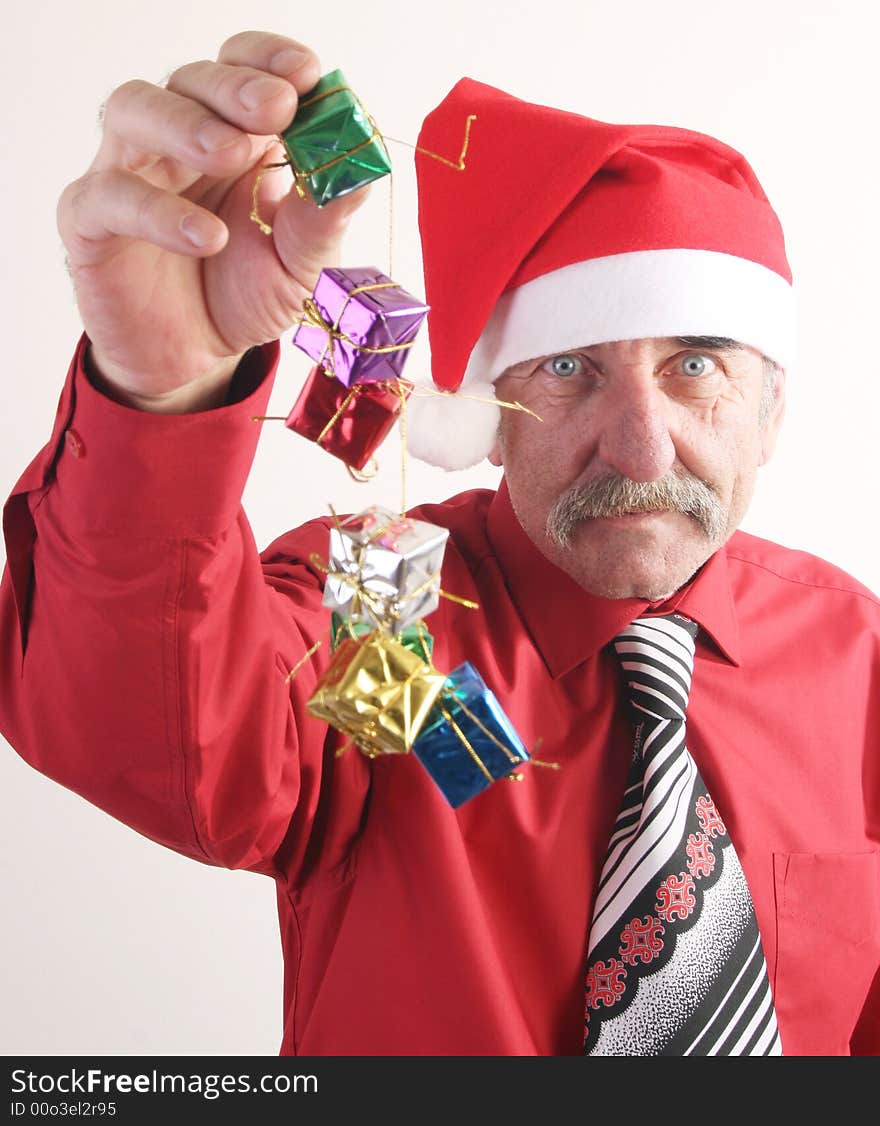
[698, 364]
[564, 366]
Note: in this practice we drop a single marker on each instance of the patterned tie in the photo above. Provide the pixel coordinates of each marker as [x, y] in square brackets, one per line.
[675, 965]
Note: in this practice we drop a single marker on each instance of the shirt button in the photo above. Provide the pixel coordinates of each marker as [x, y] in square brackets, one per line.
[75, 444]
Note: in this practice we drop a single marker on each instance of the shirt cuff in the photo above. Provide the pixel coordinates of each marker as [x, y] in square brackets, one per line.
[122, 470]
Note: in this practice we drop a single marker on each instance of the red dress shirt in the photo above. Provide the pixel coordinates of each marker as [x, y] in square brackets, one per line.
[146, 646]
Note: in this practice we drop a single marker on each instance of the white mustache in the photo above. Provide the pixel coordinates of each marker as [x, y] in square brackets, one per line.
[615, 495]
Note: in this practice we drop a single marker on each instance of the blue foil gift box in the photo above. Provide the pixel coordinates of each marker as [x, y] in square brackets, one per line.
[467, 742]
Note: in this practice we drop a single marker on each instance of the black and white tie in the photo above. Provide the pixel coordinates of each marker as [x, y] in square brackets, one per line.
[675, 965]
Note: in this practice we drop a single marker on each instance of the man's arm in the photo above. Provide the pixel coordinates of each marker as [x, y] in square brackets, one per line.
[145, 657]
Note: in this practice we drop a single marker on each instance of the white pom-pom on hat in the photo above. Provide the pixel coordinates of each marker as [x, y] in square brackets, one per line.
[452, 430]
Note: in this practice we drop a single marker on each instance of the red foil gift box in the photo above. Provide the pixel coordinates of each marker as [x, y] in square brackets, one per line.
[348, 422]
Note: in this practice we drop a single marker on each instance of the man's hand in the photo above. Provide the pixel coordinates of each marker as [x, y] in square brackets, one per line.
[174, 281]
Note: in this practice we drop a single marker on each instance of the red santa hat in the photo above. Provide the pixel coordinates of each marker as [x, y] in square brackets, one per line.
[562, 232]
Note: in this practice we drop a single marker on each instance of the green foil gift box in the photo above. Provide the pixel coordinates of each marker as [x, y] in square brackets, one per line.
[415, 637]
[332, 143]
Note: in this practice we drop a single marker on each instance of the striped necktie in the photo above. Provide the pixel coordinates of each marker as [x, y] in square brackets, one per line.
[675, 965]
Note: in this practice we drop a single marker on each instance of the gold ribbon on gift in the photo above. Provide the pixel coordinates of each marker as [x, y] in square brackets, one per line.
[312, 317]
[398, 386]
[465, 742]
[514, 758]
[353, 392]
[301, 174]
[381, 608]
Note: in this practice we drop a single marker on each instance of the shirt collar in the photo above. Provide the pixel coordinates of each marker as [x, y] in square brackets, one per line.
[569, 625]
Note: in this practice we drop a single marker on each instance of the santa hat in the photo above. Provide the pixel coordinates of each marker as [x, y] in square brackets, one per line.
[562, 232]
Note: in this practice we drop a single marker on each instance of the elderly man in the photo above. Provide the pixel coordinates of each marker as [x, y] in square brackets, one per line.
[700, 875]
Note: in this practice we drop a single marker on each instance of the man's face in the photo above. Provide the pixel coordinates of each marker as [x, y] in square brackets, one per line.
[645, 459]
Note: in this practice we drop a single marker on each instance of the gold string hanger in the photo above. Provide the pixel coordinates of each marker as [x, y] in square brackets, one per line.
[377, 607]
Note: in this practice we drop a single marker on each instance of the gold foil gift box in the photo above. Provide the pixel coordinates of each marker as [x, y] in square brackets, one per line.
[378, 693]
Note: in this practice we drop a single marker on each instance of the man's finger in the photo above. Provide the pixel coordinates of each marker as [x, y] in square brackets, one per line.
[250, 99]
[143, 118]
[273, 53]
[104, 205]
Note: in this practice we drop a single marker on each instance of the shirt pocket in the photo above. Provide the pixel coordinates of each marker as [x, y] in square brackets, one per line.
[827, 946]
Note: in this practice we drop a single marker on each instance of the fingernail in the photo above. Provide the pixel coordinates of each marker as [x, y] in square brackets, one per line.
[216, 135]
[287, 61]
[259, 90]
[199, 228]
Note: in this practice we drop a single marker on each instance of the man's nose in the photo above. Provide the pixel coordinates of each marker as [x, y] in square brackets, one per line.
[635, 438]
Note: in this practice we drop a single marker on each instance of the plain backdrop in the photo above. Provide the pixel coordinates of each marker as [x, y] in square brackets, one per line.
[111, 944]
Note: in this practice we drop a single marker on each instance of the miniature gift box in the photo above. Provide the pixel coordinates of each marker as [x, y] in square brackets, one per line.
[359, 324]
[384, 569]
[415, 637]
[377, 692]
[332, 145]
[468, 742]
[350, 423]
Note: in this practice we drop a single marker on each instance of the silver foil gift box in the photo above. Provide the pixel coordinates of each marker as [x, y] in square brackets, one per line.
[384, 568]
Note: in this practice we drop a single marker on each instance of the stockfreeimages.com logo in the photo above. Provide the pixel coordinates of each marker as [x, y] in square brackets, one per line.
[95, 1081]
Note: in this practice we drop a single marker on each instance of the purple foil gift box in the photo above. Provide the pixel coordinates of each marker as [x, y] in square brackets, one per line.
[359, 325]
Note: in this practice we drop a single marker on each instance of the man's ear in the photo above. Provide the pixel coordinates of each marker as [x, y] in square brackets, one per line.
[770, 430]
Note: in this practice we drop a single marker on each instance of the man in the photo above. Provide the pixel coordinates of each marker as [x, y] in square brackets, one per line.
[637, 304]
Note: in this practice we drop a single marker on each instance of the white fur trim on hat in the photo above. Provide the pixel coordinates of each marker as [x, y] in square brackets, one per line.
[640, 294]
[637, 295]
[453, 430]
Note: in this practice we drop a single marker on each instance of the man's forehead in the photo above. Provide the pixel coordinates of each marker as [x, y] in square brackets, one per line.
[668, 343]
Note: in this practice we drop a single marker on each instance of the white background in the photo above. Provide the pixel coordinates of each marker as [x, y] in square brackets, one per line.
[110, 944]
